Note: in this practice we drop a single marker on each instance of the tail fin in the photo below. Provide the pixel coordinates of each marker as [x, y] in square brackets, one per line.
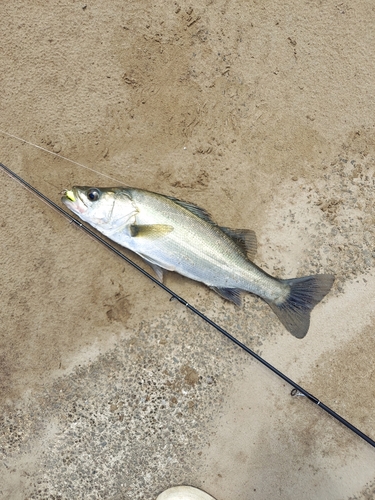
[305, 293]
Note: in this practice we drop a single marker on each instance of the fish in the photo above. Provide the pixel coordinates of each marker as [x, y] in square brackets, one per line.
[175, 235]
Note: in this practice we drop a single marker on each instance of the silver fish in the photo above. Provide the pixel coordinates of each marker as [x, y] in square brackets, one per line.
[178, 236]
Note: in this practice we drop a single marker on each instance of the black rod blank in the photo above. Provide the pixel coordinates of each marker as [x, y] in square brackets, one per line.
[297, 389]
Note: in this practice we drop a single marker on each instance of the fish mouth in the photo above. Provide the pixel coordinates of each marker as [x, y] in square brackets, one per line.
[73, 202]
[69, 194]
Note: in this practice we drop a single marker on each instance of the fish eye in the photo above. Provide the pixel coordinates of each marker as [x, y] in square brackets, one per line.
[93, 194]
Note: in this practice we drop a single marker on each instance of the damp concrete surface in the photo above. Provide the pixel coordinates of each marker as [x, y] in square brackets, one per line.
[263, 114]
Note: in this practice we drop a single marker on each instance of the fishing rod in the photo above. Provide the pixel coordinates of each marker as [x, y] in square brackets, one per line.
[297, 389]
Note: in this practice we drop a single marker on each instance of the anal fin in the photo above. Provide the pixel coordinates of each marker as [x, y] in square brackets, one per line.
[232, 294]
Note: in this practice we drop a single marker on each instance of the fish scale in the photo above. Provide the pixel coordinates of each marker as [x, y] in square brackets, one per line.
[203, 251]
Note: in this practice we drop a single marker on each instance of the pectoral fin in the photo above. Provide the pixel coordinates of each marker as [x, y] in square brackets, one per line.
[150, 230]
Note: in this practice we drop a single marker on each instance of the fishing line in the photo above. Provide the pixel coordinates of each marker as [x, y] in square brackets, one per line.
[59, 156]
[297, 389]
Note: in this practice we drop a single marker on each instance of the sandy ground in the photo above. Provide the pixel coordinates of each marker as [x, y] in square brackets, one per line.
[260, 112]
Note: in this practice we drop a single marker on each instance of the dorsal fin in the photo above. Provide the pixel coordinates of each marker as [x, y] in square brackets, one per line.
[194, 209]
[245, 238]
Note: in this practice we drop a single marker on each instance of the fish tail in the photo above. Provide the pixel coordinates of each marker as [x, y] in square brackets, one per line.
[304, 294]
